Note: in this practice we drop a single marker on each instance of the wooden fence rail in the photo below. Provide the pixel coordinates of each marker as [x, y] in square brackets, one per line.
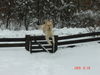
[79, 35]
[13, 45]
[12, 42]
[12, 39]
[78, 41]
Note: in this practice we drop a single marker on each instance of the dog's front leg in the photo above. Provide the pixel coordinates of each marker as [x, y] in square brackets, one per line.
[53, 39]
[47, 38]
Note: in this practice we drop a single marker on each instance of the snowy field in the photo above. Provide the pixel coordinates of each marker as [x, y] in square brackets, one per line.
[22, 33]
[17, 61]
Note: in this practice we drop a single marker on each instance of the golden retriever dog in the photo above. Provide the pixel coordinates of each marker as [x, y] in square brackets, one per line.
[47, 29]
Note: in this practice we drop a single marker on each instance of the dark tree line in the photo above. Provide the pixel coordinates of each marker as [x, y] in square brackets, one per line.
[17, 14]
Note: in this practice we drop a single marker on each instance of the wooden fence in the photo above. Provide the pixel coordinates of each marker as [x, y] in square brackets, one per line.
[39, 44]
[86, 37]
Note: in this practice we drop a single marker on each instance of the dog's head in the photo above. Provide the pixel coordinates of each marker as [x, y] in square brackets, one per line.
[49, 24]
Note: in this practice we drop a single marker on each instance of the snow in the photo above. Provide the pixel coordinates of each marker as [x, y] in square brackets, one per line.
[18, 61]
[22, 33]
[89, 13]
[62, 1]
[64, 6]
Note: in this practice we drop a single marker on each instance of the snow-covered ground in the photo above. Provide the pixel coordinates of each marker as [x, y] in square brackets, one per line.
[17, 61]
[22, 33]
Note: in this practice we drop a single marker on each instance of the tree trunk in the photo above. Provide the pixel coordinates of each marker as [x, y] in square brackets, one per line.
[25, 22]
[7, 23]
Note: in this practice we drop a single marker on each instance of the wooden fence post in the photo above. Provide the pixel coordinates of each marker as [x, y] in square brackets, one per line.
[56, 43]
[30, 44]
[27, 42]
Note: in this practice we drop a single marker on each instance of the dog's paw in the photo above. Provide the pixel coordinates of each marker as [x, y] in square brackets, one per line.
[50, 44]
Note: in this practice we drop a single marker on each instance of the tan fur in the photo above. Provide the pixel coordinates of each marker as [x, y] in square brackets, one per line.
[47, 29]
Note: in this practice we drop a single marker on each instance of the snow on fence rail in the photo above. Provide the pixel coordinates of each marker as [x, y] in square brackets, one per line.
[39, 44]
[12, 42]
